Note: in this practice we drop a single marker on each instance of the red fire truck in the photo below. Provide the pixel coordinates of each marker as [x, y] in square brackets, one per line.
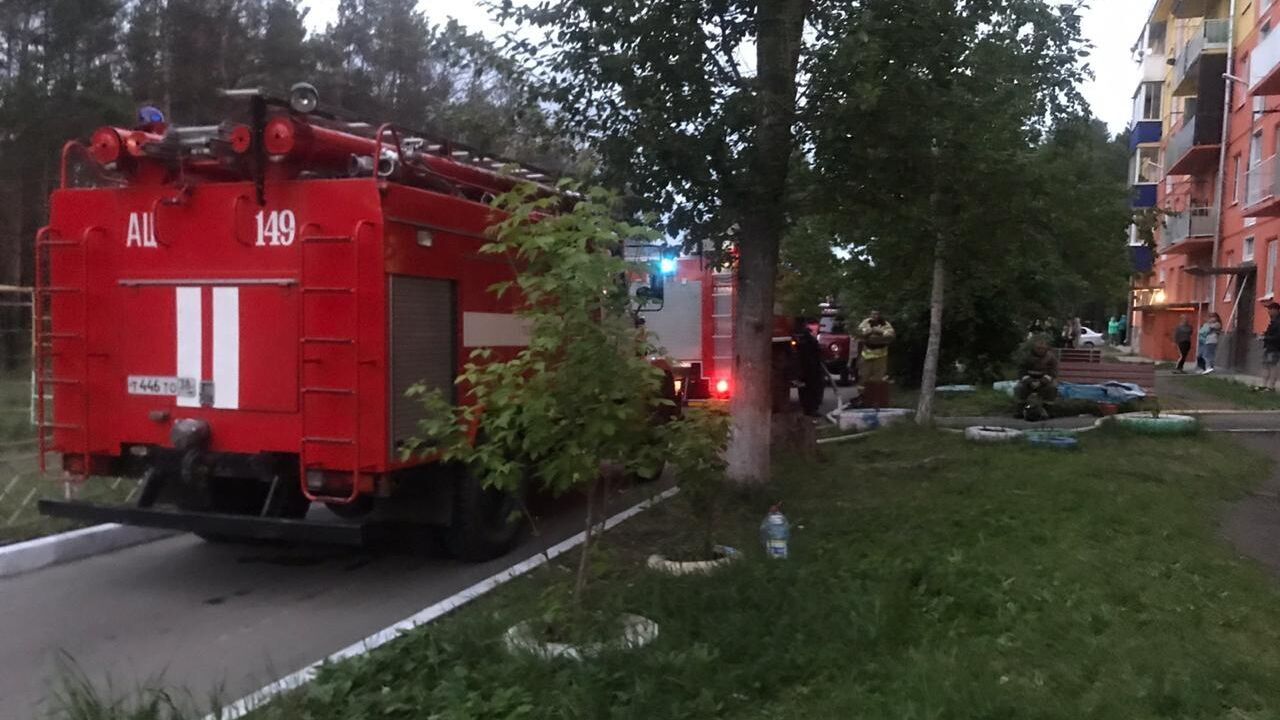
[233, 313]
[693, 324]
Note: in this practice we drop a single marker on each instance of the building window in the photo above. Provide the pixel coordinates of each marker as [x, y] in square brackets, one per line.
[1272, 247]
[1147, 165]
[1155, 38]
[1246, 254]
[1242, 71]
[1235, 179]
[1231, 262]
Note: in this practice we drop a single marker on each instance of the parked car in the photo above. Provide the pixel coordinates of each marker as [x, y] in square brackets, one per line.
[1090, 338]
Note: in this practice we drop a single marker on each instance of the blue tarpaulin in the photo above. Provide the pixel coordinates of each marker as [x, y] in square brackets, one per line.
[1112, 392]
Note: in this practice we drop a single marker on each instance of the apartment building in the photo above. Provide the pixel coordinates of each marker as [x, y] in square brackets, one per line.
[1205, 138]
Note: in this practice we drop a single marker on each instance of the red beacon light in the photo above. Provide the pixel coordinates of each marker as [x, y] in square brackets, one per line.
[105, 145]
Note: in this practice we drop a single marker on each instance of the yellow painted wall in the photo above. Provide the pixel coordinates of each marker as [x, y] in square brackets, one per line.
[1246, 17]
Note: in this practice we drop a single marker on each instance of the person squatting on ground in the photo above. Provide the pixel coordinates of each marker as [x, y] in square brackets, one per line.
[1271, 349]
[1182, 338]
[1038, 385]
[1210, 334]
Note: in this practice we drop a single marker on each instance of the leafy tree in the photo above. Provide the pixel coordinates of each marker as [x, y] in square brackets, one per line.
[583, 393]
[923, 131]
[667, 95]
[809, 270]
[56, 78]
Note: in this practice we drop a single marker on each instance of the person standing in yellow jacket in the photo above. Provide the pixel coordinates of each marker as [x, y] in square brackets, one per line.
[876, 334]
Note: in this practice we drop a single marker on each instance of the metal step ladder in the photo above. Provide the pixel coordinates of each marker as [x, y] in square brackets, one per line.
[313, 439]
[46, 335]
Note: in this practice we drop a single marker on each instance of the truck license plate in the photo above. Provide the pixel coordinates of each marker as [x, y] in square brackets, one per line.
[167, 386]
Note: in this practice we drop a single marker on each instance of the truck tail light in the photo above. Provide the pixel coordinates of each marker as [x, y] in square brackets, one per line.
[722, 386]
[329, 483]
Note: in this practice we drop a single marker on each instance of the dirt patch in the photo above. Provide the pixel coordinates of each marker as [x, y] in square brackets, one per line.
[1252, 524]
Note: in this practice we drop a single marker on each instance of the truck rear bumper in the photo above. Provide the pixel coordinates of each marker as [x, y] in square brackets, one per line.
[237, 526]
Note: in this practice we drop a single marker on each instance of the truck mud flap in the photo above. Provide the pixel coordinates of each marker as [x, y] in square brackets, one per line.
[237, 526]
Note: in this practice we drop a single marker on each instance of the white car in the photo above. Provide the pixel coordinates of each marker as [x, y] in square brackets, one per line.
[1089, 338]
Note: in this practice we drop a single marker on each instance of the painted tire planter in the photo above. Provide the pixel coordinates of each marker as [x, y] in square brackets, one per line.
[1162, 424]
[637, 632]
[727, 556]
[1050, 441]
[1005, 386]
[983, 434]
[863, 420]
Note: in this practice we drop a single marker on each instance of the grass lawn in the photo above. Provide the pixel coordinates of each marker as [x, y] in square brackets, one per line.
[982, 402]
[1234, 393]
[929, 578]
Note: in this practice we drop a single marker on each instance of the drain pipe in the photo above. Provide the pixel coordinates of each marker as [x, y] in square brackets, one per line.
[1222, 152]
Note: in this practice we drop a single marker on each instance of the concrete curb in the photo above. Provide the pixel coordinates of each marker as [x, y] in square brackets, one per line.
[64, 547]
[263, 695]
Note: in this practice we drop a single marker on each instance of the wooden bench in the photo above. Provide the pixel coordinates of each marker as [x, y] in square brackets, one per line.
[1085, 367]
[1080, 355]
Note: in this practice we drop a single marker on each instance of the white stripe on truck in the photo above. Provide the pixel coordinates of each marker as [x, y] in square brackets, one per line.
[226, 347]
[189, 331]
[494, 330]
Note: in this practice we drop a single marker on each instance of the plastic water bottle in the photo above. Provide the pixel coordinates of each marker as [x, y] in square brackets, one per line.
[775, 533]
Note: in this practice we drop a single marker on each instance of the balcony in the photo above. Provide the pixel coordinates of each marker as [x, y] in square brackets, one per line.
[1144, 195]
[1190, 229]
[1193, 150]
[1264, 66]
[1262, 193]
[1185, 9]
[1145, 132]
[1203, 57]
[1154, 67]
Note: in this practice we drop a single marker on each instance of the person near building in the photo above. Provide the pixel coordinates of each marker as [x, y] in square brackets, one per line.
[875, 334]
[1113, 330]
[1210, 334]
[1037, 386]
[1182, 338]
[1122, 323]
[1271, 349]
[813, 375]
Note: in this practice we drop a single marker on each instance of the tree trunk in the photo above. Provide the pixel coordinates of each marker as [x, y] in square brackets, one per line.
[779, 25]
[929, 379]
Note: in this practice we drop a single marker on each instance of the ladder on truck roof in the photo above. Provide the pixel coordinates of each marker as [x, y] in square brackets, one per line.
[428, 142]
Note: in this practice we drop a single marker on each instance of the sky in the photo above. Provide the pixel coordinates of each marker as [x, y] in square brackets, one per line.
[1111, 26]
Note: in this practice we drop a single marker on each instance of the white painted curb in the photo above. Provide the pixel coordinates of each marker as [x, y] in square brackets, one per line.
[64, 547]
[261, 696]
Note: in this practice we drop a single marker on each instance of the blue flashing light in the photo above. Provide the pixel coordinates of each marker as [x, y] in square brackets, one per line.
[667, 265]
[150, 115]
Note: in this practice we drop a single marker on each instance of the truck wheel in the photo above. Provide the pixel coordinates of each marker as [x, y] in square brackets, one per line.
[487, 522]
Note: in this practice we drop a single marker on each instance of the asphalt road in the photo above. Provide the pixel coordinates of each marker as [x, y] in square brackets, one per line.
[225, 619]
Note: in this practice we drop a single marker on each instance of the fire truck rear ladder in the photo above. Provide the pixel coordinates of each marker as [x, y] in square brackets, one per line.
[353, 291]
[41, 313]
